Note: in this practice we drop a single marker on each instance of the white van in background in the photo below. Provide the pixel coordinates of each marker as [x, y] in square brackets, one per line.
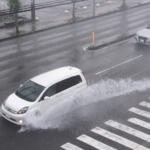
[41, 93]
[143, 36]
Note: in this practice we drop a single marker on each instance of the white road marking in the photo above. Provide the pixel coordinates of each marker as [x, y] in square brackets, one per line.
[140, 112]
[94, 143]
[128, 130]
[139, 122]
[145, 104]
[115, 66]
[69, 146]
[118, 139]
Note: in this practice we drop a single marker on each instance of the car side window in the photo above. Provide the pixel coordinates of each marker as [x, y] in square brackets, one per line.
[49, 92]
[62, 85]
[67, 83]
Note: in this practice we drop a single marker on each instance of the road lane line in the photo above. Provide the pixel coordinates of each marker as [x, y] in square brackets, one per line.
[94, 143]
[128, 130]
[145, 104]
[115, 66]
[139, 122]
[118, 139]
[69, 146]
[140, 112]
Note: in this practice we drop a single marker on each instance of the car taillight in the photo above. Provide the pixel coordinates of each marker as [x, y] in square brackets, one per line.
[83, 74]
[84, 77]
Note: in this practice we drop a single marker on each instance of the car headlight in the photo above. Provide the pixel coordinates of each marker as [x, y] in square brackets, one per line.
[23, 110]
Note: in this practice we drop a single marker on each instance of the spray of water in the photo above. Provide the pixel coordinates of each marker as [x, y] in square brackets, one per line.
[105, 89]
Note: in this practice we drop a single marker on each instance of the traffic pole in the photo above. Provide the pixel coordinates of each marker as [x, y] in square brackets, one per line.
[93, 38]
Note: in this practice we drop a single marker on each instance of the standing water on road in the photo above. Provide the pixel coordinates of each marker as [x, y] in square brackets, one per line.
[103, 90]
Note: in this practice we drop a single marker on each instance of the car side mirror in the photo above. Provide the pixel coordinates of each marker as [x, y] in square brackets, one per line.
[46, 97]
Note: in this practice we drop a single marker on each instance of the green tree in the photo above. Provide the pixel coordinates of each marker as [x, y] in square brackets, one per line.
[14, 6]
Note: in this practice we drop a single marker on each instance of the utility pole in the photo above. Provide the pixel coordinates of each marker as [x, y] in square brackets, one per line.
[33, 10]
[73, 11]
[33, 17]
[94, 8]
[124, 20]
[124, 5]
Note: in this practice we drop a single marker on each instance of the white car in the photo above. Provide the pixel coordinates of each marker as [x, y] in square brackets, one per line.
[41, 93]
[143, 36]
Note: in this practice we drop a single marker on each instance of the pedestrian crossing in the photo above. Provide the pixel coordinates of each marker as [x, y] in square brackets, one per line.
[128, 130]
[119, 139]
[140, 112]
[116, 132]
[145, 104]
[94, 143]
[69, 146]
[139, 122]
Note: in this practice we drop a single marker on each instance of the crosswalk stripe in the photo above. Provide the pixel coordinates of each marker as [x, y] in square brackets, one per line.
[128, 130]
[94, 143]
[145, 104]
[69, 146]
[140, 112]
[118, 139]
[139, 122]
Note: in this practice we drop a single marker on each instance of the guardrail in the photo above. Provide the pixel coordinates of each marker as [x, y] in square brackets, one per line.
[38, 6]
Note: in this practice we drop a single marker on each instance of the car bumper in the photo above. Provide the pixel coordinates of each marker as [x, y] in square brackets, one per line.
[142, 40]
[17, 119]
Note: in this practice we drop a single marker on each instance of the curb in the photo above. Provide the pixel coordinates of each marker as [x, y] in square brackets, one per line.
[65, 24]
[100, 46]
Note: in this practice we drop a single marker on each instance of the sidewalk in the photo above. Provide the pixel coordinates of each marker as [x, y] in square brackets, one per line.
[55, 16]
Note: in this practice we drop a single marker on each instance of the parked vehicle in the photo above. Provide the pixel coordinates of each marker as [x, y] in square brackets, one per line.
[143, 36]
[41, 93]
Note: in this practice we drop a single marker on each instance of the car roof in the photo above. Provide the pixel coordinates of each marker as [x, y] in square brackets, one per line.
[53, 76]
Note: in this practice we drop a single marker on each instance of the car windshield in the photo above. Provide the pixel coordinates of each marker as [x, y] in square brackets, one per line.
[29, 91]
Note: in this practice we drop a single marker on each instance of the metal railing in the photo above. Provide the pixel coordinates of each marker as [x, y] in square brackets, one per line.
[26, 8]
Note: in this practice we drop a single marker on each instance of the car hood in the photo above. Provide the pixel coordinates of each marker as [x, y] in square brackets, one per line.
[16, 103]
[144, 33]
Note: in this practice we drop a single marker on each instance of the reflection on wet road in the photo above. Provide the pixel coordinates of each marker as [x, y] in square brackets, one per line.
[28, 56]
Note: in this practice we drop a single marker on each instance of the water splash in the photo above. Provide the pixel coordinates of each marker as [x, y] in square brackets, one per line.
[103, 90]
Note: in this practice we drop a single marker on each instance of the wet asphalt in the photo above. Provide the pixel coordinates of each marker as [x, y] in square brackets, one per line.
[25, 57]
